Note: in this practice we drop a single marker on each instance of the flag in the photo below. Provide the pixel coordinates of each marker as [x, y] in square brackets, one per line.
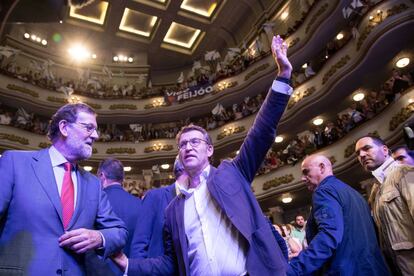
[107, 71]
[180, 78]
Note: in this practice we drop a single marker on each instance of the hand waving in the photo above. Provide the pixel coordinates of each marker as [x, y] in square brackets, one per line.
[279, 51]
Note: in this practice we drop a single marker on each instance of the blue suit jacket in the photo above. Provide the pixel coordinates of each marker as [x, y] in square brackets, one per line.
[148, 238]
[31, 217]
[229, 186]
[341, 235]
[127, 207]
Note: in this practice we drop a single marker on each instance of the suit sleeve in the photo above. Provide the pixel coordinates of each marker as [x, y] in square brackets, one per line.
[112, 228]
[162, 265]
[262, 134]
[330, 223]
[6, 182]
[143, 229]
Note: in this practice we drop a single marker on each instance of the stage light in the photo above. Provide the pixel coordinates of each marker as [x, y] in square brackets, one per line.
[130, 59]
[339, 36]
[284, 15]
[44, 42]
[127, 169]
[26, 35]
[79, 52]
[317, 121]
[287, 199]
[33, 37]
[165, 166]
[279, 139]
[402, 62]
[87, 168]
[358, 97]
[304, 66]
[94, 56]
[115, 58]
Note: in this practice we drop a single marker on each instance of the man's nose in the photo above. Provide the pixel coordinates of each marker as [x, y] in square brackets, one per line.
[95, 134]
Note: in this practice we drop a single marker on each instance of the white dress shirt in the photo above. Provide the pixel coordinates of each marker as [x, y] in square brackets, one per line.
[215, 246]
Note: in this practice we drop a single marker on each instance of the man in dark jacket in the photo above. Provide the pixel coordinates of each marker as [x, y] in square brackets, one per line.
[340, 230]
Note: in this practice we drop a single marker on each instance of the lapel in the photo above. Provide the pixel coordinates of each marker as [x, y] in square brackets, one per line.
[42, 168]
[80, 198]
[179, 214]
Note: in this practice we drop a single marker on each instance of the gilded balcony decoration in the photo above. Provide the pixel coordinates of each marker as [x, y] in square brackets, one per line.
[314, 18]
[94, 105]
[350, 149]
[376, 19]
[123, 106]
[57, 100]
[158, 147]
[44, 145]
[230, 131]
[401, 116]
[23, 90]
[299, 95]
[120, 150]
[14, 138]
[341, 63]
[224, 85]
[156, 103]
[256, 70]
[277, 181]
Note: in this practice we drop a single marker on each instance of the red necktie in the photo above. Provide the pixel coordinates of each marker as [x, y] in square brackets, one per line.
[67, 196]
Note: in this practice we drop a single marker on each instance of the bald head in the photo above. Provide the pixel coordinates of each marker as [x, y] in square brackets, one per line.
[315, 168]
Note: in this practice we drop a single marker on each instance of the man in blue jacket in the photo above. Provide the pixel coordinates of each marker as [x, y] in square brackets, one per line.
[215, 225]
[148, 238]
[340, 230]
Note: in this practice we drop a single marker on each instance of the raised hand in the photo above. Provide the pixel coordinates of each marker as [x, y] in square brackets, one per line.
[279, 51]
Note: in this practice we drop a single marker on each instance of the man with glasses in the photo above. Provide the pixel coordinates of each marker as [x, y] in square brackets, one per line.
[215, 225]
[52, 211]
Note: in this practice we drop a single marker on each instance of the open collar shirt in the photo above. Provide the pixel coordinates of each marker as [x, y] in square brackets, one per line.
[215, 246]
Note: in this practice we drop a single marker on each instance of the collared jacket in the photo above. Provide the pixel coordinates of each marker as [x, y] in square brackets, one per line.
[229, 186]
[393, 208]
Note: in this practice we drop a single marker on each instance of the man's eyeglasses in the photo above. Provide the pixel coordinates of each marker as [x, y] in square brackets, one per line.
[194, 142]
[90, 128]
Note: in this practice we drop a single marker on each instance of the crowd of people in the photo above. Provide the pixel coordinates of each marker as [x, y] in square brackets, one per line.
[356, 114]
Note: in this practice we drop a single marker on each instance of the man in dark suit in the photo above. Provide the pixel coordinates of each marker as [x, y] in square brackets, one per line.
[340, 230]
[215, 225]
[126, 206]
[148, 237]
[52, 211]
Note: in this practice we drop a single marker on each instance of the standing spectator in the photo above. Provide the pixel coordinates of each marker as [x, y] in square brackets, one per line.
[391, 202]
[52, 212]
[298, 230]
[340, 232]
[403, 155]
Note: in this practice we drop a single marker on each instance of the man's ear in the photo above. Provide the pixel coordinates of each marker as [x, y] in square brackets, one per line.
[210, 150]
[63, 124]
[386, 150]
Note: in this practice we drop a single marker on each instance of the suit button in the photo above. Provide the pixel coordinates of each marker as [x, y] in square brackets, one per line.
[59, 271]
